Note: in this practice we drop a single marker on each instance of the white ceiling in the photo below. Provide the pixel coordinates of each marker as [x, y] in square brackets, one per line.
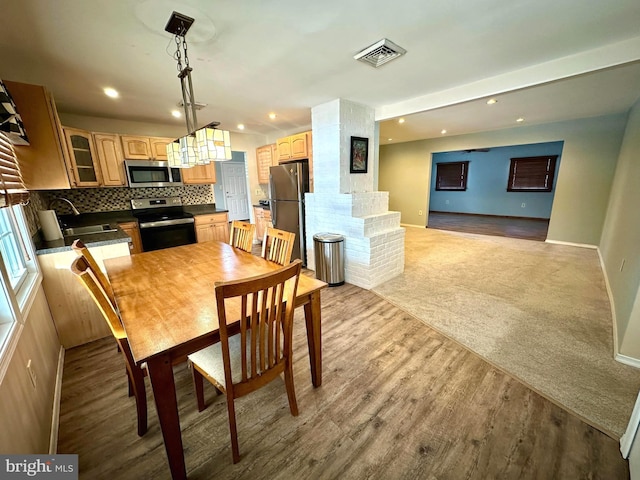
[543, 60]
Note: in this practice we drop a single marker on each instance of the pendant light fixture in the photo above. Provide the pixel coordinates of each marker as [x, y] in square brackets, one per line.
[198, 147]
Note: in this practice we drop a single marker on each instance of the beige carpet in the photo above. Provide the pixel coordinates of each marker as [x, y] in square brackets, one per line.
[538, 311]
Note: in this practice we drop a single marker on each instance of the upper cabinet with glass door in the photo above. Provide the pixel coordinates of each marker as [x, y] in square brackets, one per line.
[84, 164]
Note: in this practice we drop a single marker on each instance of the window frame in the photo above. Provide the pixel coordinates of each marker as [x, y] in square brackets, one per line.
[11, 251]
[546, 178]
[16, 301]
[441, 175]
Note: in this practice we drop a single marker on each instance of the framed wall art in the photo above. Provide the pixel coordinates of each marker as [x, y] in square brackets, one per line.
[359, 155]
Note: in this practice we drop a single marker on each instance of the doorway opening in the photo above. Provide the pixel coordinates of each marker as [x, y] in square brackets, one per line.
[231, 189]
[505, 191]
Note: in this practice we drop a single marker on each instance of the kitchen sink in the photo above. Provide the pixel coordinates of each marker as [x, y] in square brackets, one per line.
[88, 230]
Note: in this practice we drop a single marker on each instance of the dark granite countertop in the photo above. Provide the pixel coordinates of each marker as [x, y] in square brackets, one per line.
[203, 209]
[264, 207]
[108, 238]
[44, 247]
[64, 244]
[119, 216]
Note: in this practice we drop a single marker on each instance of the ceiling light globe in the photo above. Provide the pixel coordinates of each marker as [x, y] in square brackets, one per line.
[111, 92]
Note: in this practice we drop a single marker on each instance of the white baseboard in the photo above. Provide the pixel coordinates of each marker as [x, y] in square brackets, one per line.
[612, 306]
[632, 362]
[55, 418]
[410, 225]
[572, 244]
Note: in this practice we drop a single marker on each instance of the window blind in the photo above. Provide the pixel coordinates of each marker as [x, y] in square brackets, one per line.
[12, 189]
[452, 175]
[532, 174]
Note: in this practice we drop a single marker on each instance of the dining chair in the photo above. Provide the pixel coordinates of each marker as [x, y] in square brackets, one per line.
[80, 248]
[86, 274]
[251, 358]
[277, 245]
[241, 235]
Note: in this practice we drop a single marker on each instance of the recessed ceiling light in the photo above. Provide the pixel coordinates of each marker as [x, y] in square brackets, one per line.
[176, 113]
[491, 101]
[401, 120]
[111, 92]
[272, 116]
[240, 126]
[520, 120]
[389, 139]
[443, 131]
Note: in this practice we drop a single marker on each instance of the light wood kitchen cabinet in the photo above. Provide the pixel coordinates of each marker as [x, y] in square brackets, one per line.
[159, 147]
[198, 175]
[44, 163]
[294, 147]
[263, 220]
[214, 226]
[132, 229]
[266, 156]
[110, 159]
[82, 155]
[76, 316]
[136, 147]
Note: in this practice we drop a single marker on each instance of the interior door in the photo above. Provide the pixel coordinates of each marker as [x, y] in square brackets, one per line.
[234, 182]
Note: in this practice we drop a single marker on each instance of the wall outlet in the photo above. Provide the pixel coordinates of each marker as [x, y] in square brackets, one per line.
[420, 212]
[523, 205]
[32, 374]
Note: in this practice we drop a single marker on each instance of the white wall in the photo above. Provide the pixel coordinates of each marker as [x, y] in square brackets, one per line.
[26, 412]
[621, 239]
[634, 460]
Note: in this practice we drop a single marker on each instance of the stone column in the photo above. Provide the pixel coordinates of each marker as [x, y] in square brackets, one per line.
[346, 203]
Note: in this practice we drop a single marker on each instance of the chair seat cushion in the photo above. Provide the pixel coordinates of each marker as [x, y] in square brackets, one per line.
[209, 360]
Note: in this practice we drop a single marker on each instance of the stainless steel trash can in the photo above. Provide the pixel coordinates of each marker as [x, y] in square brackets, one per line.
[329, 255]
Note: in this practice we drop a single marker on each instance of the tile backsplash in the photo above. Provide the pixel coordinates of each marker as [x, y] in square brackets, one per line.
[91, 200]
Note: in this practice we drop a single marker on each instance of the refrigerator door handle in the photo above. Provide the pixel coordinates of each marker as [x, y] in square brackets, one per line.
[273, 209]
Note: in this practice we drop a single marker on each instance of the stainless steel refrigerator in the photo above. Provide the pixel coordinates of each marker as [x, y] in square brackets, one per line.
[287, 185]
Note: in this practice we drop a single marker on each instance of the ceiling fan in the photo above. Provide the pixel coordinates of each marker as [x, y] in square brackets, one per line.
[471, 150]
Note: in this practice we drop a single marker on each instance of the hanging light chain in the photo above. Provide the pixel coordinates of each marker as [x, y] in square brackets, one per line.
[181, 41]
[184, 74]
[184, 47]
[178, 55]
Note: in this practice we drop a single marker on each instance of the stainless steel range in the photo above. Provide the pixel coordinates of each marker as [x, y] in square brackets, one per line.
[163, 222]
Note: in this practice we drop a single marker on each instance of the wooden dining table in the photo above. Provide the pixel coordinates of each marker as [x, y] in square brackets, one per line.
[167, 305]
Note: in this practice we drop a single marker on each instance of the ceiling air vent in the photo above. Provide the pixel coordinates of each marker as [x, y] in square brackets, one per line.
[380, 53]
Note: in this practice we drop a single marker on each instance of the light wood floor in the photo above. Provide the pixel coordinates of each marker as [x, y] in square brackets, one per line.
[514, 227]
[398, 401]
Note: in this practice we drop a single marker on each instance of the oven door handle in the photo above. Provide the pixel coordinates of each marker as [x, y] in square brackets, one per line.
[164, 223]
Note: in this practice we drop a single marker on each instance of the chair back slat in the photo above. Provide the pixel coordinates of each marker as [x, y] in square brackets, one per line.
[266, 307]
[82, 269]
[277, 245]
[80, 248]
[241, 235]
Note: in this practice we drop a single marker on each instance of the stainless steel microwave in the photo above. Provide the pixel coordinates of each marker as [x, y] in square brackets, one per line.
[146, 173]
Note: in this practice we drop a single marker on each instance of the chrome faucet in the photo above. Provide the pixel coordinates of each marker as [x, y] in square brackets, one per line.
[73, 208]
